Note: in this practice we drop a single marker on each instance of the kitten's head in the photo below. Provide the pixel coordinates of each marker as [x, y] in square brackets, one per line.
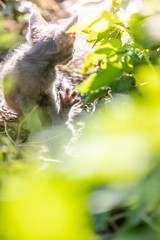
[51, 41]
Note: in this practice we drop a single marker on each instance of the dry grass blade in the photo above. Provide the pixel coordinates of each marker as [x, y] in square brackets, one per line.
[6, 132]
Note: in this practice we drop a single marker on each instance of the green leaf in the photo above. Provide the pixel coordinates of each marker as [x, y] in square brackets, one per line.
[94, 94]
[91, 60]
[100, 79]
[112, 43]
[122, 85]
[109, 46]
[86, 85]
[102, 51]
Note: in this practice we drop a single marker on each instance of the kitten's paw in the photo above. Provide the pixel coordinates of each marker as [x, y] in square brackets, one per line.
[68, 98]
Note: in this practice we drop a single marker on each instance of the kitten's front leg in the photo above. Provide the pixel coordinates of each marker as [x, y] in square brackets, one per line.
[67, 101]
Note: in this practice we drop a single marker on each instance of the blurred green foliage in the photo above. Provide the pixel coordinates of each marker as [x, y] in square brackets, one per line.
[107, 186]
[8, 40]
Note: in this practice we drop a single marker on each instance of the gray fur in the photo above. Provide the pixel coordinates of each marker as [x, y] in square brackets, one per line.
[28, 74]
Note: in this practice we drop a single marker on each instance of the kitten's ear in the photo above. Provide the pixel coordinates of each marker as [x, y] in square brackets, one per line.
[36, 19]
[71, 21]
[35, 23]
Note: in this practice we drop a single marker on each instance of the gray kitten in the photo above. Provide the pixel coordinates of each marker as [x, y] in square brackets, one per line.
[28, 74]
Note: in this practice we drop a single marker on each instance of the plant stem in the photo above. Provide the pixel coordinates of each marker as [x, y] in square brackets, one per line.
[25, 119]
